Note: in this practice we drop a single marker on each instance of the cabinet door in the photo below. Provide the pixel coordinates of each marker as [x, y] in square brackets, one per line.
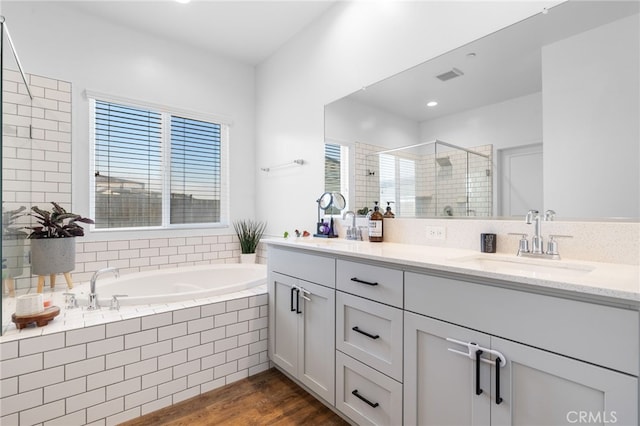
[439, 385]
[316, 335]
[283, 322]
[543, 388]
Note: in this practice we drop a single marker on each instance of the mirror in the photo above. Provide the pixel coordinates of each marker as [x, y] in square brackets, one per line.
[555, 97]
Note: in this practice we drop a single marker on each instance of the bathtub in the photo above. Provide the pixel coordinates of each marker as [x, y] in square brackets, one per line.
[174, 285]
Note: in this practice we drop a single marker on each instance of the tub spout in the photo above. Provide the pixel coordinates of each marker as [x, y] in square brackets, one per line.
[93, 296]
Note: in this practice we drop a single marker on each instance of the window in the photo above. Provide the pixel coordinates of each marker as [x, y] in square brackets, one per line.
[155, 169]
[397, 184]
[336, 166]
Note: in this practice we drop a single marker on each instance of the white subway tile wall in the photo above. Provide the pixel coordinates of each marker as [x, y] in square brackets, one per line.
[121, 370]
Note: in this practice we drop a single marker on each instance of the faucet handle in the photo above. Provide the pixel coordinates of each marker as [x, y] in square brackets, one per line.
[70, 300]
[549, 215]
[523, 244]
[552, 244]
[115, 303]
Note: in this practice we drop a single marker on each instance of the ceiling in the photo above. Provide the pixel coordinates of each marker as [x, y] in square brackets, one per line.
[505, 65]
[246, 31]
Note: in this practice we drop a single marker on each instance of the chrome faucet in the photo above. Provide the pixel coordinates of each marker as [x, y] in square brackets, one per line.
[533, 217]
[353, 233]
[93, 297]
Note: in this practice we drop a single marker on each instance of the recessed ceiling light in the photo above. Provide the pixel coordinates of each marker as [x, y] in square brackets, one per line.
[432, 103]
[471, 55]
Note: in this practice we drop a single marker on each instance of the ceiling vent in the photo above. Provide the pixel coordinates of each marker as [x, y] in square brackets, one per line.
[455, 72]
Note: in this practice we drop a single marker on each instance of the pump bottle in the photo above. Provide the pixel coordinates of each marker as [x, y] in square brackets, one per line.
[375, 225]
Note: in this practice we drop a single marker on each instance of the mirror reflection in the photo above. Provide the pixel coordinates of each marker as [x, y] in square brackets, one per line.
[553, 100]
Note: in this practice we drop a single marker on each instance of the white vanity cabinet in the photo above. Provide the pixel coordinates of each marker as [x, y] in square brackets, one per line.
[544, 381]
[369, 342]
[302, 318]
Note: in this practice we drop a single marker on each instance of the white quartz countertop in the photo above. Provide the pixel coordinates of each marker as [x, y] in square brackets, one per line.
[609, 280]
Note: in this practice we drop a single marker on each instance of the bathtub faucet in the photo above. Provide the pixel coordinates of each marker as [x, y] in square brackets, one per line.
[93, 297]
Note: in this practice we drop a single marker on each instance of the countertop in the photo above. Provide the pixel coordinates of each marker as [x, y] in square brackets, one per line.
[606, 281]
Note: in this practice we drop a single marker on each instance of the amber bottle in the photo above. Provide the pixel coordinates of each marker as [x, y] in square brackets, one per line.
[375, 225]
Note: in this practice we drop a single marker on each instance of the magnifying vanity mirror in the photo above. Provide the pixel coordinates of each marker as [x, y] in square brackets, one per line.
[329, 203]
[550, 104]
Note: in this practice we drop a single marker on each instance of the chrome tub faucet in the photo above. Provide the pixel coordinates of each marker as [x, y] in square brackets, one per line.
[93, 296]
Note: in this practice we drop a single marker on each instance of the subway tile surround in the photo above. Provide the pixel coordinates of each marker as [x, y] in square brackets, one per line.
[108, 373]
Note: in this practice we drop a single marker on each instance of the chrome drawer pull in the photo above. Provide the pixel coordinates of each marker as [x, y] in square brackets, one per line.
[357, 330]
[373, 404]
[362, 282]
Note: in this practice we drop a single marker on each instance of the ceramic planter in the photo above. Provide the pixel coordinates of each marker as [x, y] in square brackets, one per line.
[53, 255]
[248, 258]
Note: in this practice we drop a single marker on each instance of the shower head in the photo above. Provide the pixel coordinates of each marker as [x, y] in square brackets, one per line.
[443, 161]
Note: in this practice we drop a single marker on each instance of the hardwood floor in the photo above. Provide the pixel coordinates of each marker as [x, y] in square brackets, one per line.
[267, 398]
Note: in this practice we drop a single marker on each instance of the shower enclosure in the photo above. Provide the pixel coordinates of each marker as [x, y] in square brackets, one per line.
[432, 179]
[17, 168]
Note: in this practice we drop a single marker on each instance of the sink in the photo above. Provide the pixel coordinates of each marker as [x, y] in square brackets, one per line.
[516, 265]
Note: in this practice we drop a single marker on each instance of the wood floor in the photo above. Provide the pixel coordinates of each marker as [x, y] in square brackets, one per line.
[267, 398]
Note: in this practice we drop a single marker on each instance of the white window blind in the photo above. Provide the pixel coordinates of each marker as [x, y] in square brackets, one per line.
[336, 171]
[195, 171]
[155, 169]
[128, 166]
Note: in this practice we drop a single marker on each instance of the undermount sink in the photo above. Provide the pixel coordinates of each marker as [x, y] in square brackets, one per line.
[522, 266]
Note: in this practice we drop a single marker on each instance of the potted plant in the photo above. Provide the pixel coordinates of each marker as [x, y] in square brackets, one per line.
[13, 238]
[53, 248]
[249, 233]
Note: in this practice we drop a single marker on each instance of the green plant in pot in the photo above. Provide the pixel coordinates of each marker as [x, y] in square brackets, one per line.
[53, 248]
[249, 233]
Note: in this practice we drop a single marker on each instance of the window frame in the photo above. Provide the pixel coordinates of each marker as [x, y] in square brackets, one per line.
[166, 113]
[347, 170]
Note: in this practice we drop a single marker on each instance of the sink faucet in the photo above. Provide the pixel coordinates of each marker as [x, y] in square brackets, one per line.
[93, 297]
[533, 217]
[536, 240]
[353, 231]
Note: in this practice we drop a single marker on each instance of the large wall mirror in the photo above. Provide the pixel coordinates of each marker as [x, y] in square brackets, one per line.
[550, 104]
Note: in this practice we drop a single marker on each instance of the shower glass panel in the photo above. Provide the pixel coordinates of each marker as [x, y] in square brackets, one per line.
[17, 157]
[430, 179]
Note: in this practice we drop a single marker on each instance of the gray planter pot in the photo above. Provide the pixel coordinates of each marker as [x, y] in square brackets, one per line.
[53, 255]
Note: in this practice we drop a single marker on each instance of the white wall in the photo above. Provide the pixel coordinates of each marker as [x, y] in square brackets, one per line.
[605, 117]
[57, 41]
[511, 123]
[351, 46]
[350, 121]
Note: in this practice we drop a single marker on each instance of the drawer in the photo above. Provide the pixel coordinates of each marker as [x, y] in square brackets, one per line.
[377, 283]
[370, 332]
[365, 395]
[308, 267]
[599, 334]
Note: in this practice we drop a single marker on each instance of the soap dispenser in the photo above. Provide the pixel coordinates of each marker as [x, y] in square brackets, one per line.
[389, 214]
[375, 225]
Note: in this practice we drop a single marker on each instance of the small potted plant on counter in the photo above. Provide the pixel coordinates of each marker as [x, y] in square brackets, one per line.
[249, 233]
[53, 248]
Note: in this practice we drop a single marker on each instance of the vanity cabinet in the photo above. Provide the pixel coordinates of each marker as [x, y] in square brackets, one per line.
[369, 343]
[535, 384]
[302, 321]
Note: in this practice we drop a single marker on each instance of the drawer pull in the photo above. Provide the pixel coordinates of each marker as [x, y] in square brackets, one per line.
[362, 282]
[292, 290]
[373, 404]
[357, 330]
[298, 311]
[478, 388]
[498, 397]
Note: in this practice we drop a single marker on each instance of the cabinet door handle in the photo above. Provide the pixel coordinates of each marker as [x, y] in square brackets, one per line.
[292, 290]
[373, 404]
[357, 330]
[478, 389]
[498, 397]
[298, 311]
[362, 282]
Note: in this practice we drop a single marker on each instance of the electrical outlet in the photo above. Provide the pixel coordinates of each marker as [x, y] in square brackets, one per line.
[436, 233]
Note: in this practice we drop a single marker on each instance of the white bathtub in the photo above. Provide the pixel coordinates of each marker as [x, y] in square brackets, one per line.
[174, 285]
